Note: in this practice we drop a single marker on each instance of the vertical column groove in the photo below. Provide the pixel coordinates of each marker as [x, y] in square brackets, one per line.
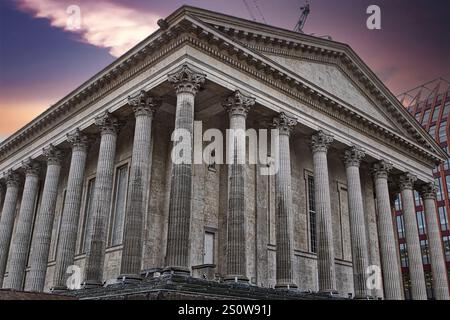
[95, 256]
[144, 107]
[285, 251]
[360, 258]
[418, 286]
[389, 259]
[44, 222]
[7, 219]
[186, 82]
[325, 246]
[65, 253]
[438, 268]
[22, 237]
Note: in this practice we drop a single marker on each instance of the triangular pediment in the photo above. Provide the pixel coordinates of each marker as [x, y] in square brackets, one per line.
[332, 80]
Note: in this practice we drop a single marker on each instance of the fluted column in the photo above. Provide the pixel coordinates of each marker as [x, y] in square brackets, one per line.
[22, 237]
[416, 274]
[283, 195]
[237, 106]
[7, 219]
[438, 268]
[44, 222]
[325, 246]
[187, 82]
[389, 259]
[65, 253]
[352, 158]
[95, 256]
[144, 106]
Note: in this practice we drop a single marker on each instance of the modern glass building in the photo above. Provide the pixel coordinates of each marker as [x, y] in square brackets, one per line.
[433, 114]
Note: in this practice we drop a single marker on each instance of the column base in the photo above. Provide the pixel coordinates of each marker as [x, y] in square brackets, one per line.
[359, 297]
[58, 290]
[235, 279]
[129, 278]
[286, 286]
[328, 292]
[91, 285]
[181, 271]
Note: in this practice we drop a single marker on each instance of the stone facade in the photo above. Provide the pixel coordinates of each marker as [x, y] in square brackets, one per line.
[315, 225]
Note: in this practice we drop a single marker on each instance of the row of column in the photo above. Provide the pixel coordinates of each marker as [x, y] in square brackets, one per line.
[187, 82]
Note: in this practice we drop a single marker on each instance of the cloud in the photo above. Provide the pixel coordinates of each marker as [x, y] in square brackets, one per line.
[101, 23]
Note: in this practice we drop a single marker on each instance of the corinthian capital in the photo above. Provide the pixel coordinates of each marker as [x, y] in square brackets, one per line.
[12, 179]
[107, 123]
[238, 104]
[143, 103]
[284, 123]
[31, 167]
[353, 156]
[53, 155]
[78, 140]
[186, 80]
[407, 181]
[381, 169]
[428, 191]
[320, 141]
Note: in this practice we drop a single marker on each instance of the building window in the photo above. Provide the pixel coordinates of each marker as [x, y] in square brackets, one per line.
[417, 116]
[446, 109]
[426, 116]
[446, 241]
[421, 222]
[425, 253]
[447, 181]
[417, 200]
[85, 229]
[398, 203]
[438, 183]
[403, 255]
[120, 199]
[443, 218]
[435, 113]
[447, 164]
[312, 215]
[443, 132]
[208, 249]
[400, 227]
[432, 131]
[58, 227]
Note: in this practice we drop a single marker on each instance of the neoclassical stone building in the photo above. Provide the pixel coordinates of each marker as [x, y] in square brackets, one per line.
[91, 181]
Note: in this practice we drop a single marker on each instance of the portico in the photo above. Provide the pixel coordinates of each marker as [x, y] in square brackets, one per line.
[115, 204]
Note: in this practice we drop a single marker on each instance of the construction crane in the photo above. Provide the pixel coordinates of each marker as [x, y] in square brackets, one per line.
[250, 11]
[302, 20]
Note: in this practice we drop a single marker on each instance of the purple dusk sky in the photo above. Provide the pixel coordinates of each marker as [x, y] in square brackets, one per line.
[41, 60]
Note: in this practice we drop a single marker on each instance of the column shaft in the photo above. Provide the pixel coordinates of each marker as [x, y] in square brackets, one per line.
[418, 286]
[187, 82]
[95, 256]
[237, 106]
[389, 260]
[325, 245]
[283, 217]
[353, 158]
[69, 223]
[144, 106]
[438, 268]
[22, 237]
[44, 223]
[7, 220]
